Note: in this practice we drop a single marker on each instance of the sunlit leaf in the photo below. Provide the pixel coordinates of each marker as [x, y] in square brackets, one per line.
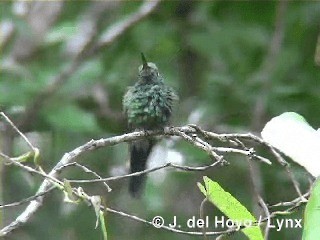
[103, 225]
[311, 230]
[68, 193]
[96, 201]
[231, 207]
[292, 135]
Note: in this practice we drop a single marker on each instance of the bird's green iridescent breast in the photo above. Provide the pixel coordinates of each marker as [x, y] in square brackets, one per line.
[149, 105]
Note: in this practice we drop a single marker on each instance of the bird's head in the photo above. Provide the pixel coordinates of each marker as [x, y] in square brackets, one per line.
[148, 70]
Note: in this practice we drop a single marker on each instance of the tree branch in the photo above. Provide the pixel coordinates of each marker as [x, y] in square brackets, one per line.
[191, 134]
[109, 37]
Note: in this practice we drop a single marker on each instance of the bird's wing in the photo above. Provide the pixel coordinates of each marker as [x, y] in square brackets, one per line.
[171, 94]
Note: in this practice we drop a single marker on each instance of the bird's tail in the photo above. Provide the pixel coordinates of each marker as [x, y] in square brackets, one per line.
[139, 153]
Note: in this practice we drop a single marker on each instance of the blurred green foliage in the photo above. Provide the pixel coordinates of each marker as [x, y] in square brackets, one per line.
[213, 53]
[311, 215]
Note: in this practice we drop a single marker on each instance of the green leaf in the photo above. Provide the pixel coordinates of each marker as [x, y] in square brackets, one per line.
[292, 135]
[68, 193]
[311, 228]
[317, 54]
[103, 225]
[96, 203]
[24, 157]
[231, 207]
[36, 157]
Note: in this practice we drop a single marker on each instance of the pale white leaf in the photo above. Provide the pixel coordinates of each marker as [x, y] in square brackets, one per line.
[292, 135]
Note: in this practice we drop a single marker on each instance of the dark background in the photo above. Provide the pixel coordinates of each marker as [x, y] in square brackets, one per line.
[235, 65]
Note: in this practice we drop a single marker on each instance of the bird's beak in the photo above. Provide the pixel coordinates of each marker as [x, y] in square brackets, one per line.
[144, 61]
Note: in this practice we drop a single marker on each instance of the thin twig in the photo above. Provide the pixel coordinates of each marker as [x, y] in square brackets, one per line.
[293, 202]
[209, 233]
[115, 31]
[30, 169]
[87, 170]
[167, 165]
[18, 131]
[186, 133]
[95, 144]
[28, 199]
[170, 229]
[267, 214]
[91, 48]
[202, 217]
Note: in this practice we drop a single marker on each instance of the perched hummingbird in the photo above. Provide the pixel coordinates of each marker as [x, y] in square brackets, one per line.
[148, 105]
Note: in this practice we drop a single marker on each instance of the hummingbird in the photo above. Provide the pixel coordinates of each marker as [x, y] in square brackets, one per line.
[148, 106]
